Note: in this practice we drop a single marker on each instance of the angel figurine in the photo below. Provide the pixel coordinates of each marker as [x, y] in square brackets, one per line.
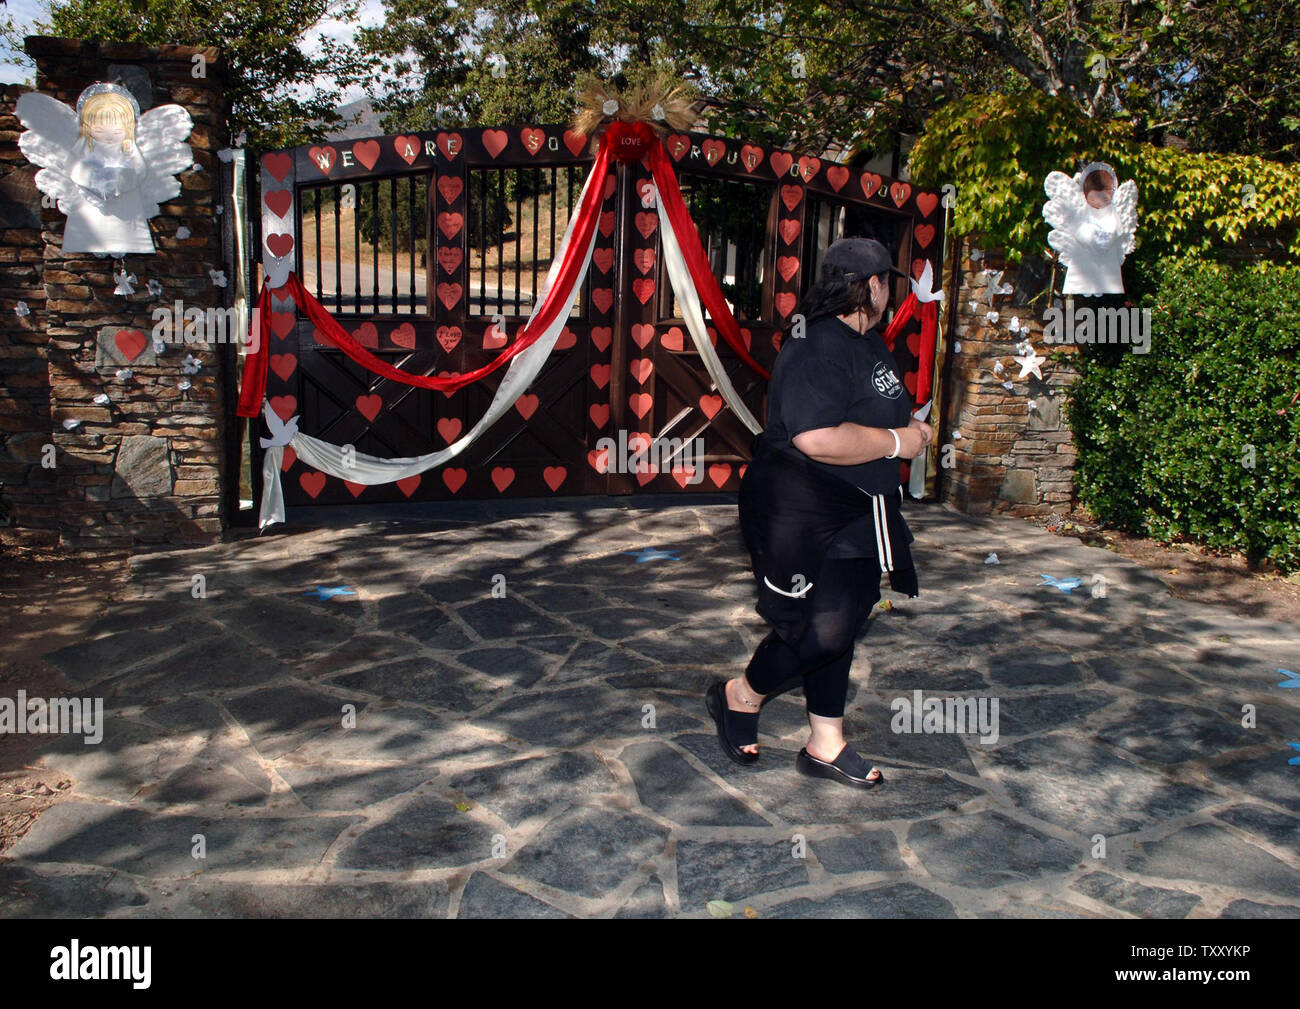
[107, 166]
[1094, 220]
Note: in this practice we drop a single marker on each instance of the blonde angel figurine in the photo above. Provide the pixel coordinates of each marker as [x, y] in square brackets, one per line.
[107, 166]
[1094, 226]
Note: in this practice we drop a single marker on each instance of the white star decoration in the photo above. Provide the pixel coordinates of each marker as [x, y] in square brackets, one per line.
[1030, 363]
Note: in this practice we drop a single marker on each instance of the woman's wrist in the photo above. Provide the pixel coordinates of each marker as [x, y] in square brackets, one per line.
[898, 444]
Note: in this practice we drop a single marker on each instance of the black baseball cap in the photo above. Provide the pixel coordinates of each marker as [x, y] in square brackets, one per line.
[860, 258]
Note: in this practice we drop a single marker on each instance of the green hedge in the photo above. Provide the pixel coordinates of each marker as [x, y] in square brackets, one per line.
[1164, 437]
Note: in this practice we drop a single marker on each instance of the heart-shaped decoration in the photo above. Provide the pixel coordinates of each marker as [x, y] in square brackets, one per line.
[450, 144]
[713, 151]
[914, 343]
[674, 339]
[643, 288]
[641, 369]
[599, 375]
[367, 334]
[448, 337]
[284, 406]
[742, 470]
[283, 365]
[449, 429]
[719, 473]
[808, 167]
[282, 323]
[710, 405]
[785, 302]
[502, 477]
[354, 489]
[575, 142]
[599, 414]
[450, 257]
[407, 147]
[611, 183]
[603, 259]
[646, 223]
[495, 141]
[323, 157]
[909, 380]
[602, 298]
[926, 202]
[899, 192]
[494, 338]
[924, 234]
[601, 336]
[450, 187]
[683, 475]
[918, 268]
[642, 333]
[607, 223]
[781, 162]
[789, 229]
[449, 294]
[366, 152]
[278, 201]
[534, 139]
[277, 166]
[288, 459]
[312, 482]
[787, 266]
[567, 338]
[279, 245]
[527, 405]
[640, 403]
[454, 479]
[644, 472]
[448, 393]
[403, 336]
[837, 176]
[678, 145]
[554, 476]
[408, 484]
[644, 259]
[751, 156]
[790, 196]
[599, 460]
[130, 343]
[450, 223]
[871, 183]
[369, 405]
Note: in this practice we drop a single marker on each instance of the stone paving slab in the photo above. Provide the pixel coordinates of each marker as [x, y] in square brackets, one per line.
[506, 718]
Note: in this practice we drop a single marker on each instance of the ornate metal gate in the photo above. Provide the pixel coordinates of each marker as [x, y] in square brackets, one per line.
[430, 247]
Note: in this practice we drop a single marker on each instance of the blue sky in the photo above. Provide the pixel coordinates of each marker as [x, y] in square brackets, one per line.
[26, 12]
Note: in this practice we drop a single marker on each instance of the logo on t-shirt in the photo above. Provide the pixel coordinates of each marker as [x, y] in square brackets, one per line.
[885, 381]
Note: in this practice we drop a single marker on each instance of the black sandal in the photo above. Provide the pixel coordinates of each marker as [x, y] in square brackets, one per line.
[735, 728]
[848, 768]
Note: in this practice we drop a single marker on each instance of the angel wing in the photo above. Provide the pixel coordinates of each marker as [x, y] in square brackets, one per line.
[1125, 207]
[51, 134]
[1063, 211]
[160, 138]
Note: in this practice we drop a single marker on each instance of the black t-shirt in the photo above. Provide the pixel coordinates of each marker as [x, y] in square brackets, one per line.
[829, 376]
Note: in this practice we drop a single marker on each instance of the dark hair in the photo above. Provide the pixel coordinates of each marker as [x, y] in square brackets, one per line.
[832, 294]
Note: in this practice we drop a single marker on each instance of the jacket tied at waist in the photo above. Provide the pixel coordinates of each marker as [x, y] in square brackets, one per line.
[790, 511]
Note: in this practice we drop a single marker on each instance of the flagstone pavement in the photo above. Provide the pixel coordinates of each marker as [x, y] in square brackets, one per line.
[505, 717]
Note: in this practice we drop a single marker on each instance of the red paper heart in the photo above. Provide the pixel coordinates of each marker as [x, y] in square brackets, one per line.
[407, 147]
[870, 182]
[914, 343]
[534, 139]
[366, 152]
[787, 266]
[312, 482]
[450, 224]
[599, 414]
[600, 375]
[607, 223]
[407, 485]
[924, 234]
[283, 323]
[448, 337]
[785, 302]
[495, 141]
[599, 460]
[710, 405]
[642, 333]
[646, 223]
[683, 475]
[575, 142]
[809, 167]
[600, 337]
[641, 369]
[566, 339]
[643, 288]
[789, 229]
[678, 145]
[367, 334]
[449, 294]
[611, 184]
[918, 268]
[603, 259]
[354, 488]
[837, 175]
[503, 477]
[719, 473]
[449, 428]
[640, 403]
[713, 151]
[283, 365]
[288, 459]
[926, 202]
[324, 158]
[899, 192]
[791, 195]
[781, 162]
[450, 144]
[674, 339]
[280, 245]
[554, 476]
[526, 405]
[450, 187]
[277, 166]
[602, 298]
[403, 336]
[751, 156]
[369, 405]
[278, 201]
[450, 257]
[284, 406]
[494, 338]
[644, 259]
[454, 479]
[130, 343]
[909, 380]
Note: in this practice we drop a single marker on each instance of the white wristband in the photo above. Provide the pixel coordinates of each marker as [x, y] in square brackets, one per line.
[898, 444]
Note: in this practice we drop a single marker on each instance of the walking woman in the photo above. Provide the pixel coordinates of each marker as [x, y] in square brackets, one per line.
[820, 510]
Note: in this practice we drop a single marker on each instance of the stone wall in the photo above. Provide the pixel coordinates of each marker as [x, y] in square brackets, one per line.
[1007, 457]
[148, 465]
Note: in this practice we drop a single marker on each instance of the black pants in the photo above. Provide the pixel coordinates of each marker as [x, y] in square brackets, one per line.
[843, 595]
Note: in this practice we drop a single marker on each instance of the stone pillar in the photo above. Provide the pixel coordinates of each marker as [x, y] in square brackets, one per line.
[1010, 458]
[28, 513]
[148, 465]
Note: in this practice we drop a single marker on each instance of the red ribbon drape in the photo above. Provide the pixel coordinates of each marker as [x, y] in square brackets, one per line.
[698, 264]
[929, 315]
[558, 299]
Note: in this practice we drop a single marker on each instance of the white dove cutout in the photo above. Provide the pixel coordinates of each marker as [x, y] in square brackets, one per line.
[107, 166]
[924, 288]
[1094, 223]
[282, 431]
